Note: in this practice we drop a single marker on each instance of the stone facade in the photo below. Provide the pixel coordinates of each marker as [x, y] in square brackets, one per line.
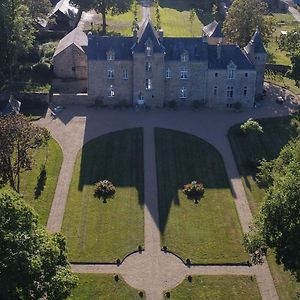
[151, 70]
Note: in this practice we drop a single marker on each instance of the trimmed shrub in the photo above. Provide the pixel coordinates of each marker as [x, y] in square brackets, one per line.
[251, 126]
[104, 189]
[194, 190]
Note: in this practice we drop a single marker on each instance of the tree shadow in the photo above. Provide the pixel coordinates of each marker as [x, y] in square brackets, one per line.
[180, 159]
[41, 182]
[117, 157]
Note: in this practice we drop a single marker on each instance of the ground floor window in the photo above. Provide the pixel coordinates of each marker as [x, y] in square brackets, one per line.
[229, 93]
[148, 84]
[111, 91]
[183, 93]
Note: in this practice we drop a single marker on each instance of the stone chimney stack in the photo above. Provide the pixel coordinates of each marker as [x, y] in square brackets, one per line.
[161, 35]
[219, 48]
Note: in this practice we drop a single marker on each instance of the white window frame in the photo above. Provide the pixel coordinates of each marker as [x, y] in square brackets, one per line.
[110, 73]
[229, 92]
[215, 91]
[183, 93]
[184, 74]
[110, 55]
[111, 91]
[168, 73]
[185, 57]
[125, 74]
[148, 84]
[148, 66]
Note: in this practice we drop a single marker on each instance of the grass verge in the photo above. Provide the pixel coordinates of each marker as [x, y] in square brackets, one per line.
[217, 287]
[208, 232]
[277, 132]
[103, 287]
[104, 232]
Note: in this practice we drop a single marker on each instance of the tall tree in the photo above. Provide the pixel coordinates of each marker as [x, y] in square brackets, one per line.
[33, 263]
[277, 224]
[18, 140]
[243, 17]
[16, 34]
[38, 9]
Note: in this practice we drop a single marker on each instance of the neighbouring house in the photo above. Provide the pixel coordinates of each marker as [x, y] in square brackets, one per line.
[70, 59]
[151, 69]
[64, 15]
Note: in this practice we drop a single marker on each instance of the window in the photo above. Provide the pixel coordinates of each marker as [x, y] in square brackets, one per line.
[231, 74]
[125, 74]
[148, 48]
[185, 57]
[184, 74]
[110, 73]
[246, 74]
[110, 55]
[215, 91]
[148, 66]
[168, 73]
[111, 91]
[245, 91]
[229, 92]
[216, 74]
[148, 84]
[183, 93]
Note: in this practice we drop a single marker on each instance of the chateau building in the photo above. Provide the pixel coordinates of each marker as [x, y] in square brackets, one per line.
[151, 69]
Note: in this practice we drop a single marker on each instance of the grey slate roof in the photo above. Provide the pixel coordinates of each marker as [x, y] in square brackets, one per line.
[228, 53]
[65, 7]
[100, 45]
[256, 43]
[213, 29]
[76, 37]
[195, 47]
[148, 32]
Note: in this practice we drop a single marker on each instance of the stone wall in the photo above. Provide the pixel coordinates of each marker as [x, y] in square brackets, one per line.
[219, 79]
[99, 83]
[28, 99]
[68, 99]
[71, 63]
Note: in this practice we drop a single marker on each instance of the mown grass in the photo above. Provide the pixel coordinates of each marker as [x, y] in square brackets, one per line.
[277, 132]
[208, 232]
[104, 232]
[175, 18]
[103, 287]
[284, 22]
[217, 287]
[39, 193]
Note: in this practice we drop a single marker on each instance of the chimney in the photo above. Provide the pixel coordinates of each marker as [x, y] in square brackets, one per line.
[161, 35]
[219, 50]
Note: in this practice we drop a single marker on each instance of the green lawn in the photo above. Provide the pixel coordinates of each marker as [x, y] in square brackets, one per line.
[103, 287]
[175, 18]
[284, 22]
[41, 198]
[277, 132]
[282, 81]
[208, 232]
[104, 232]
[217, 287]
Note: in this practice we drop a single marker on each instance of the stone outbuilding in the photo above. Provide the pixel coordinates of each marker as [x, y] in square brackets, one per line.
[70, 59]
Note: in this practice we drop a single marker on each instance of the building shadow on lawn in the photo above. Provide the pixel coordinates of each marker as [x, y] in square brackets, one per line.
[180, 159]
[117, 157]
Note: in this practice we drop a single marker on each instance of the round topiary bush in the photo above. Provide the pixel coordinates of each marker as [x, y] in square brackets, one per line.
[104, 189]
[194, 190]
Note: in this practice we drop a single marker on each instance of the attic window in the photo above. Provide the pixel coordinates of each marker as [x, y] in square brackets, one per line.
[185, 56]
[148, 48]
[231, 70]
[110, 55]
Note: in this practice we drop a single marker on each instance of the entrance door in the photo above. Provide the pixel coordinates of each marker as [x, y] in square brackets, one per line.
[140, 100]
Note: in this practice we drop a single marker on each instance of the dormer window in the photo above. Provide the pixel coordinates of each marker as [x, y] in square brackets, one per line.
[110, 55]
[231, 70]
[148, 48]
[185, 56]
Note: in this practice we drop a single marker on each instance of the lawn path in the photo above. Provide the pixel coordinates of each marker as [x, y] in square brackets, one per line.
[153, 270]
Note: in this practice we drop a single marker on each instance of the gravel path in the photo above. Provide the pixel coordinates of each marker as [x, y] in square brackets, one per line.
[153, 270]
